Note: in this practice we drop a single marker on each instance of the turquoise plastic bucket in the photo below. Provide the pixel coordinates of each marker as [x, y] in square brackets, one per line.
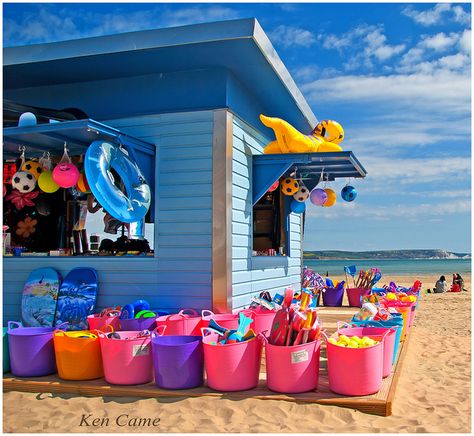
[396, 321]
[6, 354]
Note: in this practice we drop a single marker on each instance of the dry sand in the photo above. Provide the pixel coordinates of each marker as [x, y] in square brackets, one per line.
[433, 395]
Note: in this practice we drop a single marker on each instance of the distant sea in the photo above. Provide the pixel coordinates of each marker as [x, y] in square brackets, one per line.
[394, 266]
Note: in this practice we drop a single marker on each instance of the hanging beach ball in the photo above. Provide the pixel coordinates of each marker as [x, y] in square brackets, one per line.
[82, 184]
[318, 196]
[289, 186]
[46, 182]
[348, 193]
[66, 175]
[331, 200]
[32, 167]
[302, 194]
[274, 186]
[297, 206]
[23, 181]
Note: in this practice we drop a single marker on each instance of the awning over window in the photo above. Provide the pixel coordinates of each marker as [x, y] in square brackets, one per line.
[268, 168]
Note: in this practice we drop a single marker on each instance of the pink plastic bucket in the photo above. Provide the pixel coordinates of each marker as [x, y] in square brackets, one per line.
[292, 369]
[227, 320]
[412, 315]
[378, 334]
[354, 371]
[127, 362]
[98, 322]
[233, 367]
[181, 324]
[354, 294]
[262, 319]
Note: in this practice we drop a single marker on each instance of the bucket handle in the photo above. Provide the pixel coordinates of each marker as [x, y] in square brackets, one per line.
[342, 324]
[14, 325]
[204, 313]
[62, 326]
[323, 333]
[190, 311]
[157, 332]
[57, 331]
[262, 337]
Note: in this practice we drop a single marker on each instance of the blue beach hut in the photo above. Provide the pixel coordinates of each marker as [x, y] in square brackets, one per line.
[186, 100]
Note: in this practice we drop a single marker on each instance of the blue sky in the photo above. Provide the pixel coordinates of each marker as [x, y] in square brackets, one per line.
[396, 76]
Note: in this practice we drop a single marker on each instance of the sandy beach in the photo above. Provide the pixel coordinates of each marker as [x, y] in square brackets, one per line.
[433, 395]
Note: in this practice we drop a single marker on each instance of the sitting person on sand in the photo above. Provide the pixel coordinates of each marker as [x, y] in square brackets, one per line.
[441, 285]
[458, 280]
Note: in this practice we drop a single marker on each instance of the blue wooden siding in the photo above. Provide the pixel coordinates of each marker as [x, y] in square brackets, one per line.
[180, 274]
[251, 275]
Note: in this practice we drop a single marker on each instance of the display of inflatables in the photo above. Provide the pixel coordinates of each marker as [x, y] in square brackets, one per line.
[289, 186]
[274, 186]
[297, 206]
[348, 193]
[128, 205]
[290, 140]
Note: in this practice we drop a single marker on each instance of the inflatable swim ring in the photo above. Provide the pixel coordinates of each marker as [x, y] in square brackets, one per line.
[129, 206]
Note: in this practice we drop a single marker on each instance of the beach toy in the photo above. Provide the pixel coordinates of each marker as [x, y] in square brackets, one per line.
[27, 119]
[289, 186]
[23, 181]
[292, 369]
[262, 319]
[127, 357]
[145, 314]
[66, 174]
[181, 324]
[46, 182]
[137, 324]
[366, 368]
[31, 350]
[331, 198]
[274, 186]
[332, 297]
[290, 140]
[231, 367]
[82, 184]
[297, 207]
[131, 204]
[366, 312]
[32, 167]
[330, 130]
[318, 196]
[348, 193]
[6, 354]
[229, 321]
[78, 355]
[354, 296]
[280, 324]
[140, 305]
[178, 361]
[302, 194]
[127, 312]
[377, 334]
[100, 321]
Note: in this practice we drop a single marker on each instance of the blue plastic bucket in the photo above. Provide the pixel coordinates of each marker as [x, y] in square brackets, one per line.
[396, 321]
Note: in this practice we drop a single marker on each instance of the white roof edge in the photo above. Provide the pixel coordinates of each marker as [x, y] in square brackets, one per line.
[265, 45]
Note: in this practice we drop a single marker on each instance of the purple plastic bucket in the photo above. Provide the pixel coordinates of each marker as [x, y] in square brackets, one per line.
[333, 297]
[137, 324]
[31, 350]
[178, 361]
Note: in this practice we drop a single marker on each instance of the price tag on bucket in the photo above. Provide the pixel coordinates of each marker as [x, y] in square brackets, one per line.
[140, 350]
[299, 356]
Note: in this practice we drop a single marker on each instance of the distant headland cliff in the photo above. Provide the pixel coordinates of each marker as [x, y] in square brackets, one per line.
[385, 254]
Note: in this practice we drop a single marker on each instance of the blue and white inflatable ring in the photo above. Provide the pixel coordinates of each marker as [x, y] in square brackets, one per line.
[127, 207]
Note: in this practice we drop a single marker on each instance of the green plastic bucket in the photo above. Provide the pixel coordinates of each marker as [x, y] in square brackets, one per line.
[6, 354]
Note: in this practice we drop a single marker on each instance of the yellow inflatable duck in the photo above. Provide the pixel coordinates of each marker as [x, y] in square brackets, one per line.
[324, 138]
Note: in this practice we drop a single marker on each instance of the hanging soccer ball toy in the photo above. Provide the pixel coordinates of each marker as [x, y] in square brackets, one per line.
[348, 193]
[23, 181]
[331, 200]
[302, 194]
[289, 186]
[66, 174]
[318, 197]
[297, 206]
[32, 167]
[274, 186]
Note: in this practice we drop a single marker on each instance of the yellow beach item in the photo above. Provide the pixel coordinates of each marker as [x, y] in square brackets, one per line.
[290, 140]
[330, 131]
[331, 201]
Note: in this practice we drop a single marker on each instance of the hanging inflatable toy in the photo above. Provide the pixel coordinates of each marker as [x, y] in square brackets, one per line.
[82, 184]
[330, 130]
[274, 186]
[331, 200]
[297, 206]
[318, 197]
[348, 193]
[290, 140]
[289, 186]
[302, 194]
[45, 180]
[32, 167]
[129, 206]
[66, 174]
[23, 181]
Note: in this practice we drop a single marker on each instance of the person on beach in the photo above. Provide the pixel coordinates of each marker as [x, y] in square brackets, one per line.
[441, 285]
[458, 280]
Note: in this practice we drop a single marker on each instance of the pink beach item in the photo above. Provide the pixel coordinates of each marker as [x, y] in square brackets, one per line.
[262, 319]
[231, 367]
[228, 320]
[186, 322]
[100, 321]
[354, 294]
[354, 371]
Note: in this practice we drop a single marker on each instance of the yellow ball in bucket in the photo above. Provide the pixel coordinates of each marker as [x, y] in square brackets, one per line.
[331, 200]
[46, 182]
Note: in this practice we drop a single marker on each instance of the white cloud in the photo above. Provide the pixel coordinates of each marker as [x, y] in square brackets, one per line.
[465, 41]
[439, 14]
[289, 36]
[439, 41]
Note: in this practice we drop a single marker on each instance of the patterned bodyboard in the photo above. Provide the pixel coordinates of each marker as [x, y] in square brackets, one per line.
[39, 298]
[76, 298]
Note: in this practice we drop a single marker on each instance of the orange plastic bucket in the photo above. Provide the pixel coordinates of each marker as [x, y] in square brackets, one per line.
[78, 358]
[232, 367]
[292, 369]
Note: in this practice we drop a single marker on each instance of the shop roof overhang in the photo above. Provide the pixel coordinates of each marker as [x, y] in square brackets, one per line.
[268, 168]
[239, 46]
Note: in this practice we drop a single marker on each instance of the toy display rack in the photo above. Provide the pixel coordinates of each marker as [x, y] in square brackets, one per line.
[377, 404]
